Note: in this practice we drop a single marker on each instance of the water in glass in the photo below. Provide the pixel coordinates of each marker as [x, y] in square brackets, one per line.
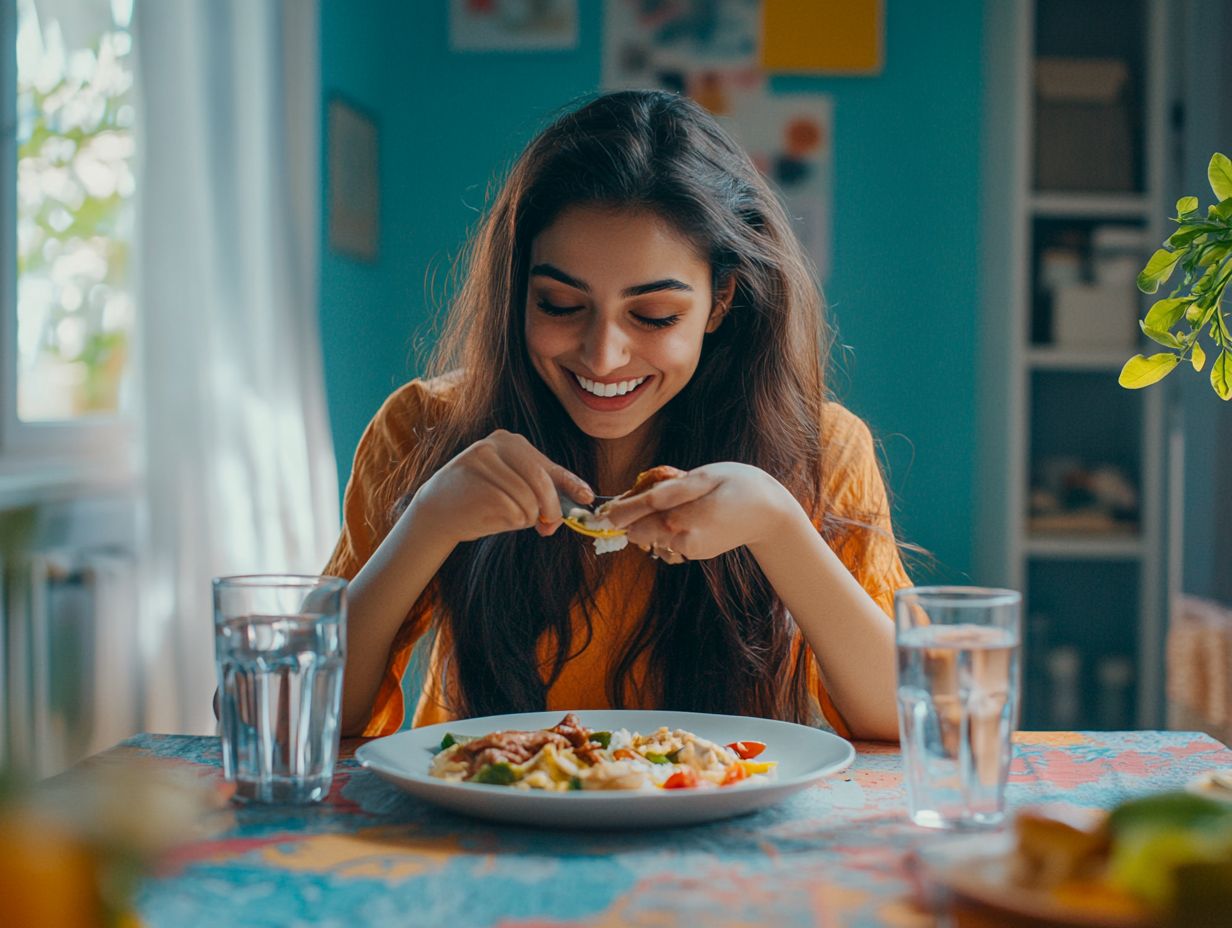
[957, 694]
[281, 682]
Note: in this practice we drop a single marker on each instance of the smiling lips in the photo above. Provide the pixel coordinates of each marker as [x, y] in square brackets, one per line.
[607, 396]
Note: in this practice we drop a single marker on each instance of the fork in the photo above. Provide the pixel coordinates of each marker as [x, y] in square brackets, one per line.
[578, 523]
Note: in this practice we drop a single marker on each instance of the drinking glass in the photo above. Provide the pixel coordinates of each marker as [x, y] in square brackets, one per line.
[279, 643]
[959, 654]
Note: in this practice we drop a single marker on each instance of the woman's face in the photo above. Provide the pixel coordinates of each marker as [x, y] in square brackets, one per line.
[617, 305]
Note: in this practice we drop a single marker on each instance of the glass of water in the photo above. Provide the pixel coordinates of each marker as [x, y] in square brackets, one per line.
[959, 655]
[279, 644]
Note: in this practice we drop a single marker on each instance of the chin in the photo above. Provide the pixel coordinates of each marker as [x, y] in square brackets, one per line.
[607, 429]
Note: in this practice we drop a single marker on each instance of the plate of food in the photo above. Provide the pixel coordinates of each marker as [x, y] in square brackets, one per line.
[606, 768]
[1159, 860]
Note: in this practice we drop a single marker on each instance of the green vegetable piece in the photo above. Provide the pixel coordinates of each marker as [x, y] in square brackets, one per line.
[603, 738]
[656, 758]
[675, 755]
[496, 774]
[448, 741]
[575, 782]
[1169, 810]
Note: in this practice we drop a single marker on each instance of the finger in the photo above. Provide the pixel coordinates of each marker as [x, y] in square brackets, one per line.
[670, 555]
[544, 489]
[681, 521]
[667, 494]
[546, 476]
[649, 531]
[504, 478]
[570, 483]
[517, 447]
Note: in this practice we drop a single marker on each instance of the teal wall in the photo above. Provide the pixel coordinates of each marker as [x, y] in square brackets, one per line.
[903, 289]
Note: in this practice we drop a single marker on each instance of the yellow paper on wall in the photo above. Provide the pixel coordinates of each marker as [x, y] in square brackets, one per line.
[822, 36]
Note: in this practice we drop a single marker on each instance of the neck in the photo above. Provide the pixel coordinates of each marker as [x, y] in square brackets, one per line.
[621, 459]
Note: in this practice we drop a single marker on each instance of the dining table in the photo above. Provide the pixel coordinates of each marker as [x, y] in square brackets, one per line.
[841, 852]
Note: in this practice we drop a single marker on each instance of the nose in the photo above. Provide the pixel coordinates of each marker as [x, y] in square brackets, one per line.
[605, 348]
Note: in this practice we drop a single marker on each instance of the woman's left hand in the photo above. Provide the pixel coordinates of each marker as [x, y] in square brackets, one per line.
[705, 513]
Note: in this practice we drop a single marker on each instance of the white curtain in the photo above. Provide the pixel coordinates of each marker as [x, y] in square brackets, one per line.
[239, 466]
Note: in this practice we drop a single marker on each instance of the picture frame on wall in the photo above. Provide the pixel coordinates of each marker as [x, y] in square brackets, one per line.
[354, 192]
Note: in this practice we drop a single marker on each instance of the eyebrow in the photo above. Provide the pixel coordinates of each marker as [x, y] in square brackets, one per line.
[655, 286]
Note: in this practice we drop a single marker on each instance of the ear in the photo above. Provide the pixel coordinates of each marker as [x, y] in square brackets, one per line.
[722, 304]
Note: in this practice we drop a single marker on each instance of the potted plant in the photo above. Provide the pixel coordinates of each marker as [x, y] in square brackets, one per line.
[1201, 247]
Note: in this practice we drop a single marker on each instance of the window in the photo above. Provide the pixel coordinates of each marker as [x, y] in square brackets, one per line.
[74, 208]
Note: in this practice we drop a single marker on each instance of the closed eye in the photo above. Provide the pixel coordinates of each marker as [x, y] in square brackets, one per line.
[553, 310]
[657, 322]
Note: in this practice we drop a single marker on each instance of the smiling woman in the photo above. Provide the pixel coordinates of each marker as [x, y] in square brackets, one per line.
[635, 297]
[612, 348]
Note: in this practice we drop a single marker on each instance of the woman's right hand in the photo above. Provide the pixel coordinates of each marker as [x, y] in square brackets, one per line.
[501, 483]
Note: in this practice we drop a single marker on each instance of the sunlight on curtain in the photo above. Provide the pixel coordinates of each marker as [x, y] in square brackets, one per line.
[239, 462]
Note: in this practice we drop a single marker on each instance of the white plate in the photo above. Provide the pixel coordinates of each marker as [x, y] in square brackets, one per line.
[804, 755]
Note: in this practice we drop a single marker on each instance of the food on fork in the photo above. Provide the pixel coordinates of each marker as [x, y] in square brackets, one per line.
[607, 537]
[569, 756]
[647, 479]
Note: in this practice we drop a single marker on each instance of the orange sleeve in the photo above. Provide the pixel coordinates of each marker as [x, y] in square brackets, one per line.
[388, 439]
[862, 535]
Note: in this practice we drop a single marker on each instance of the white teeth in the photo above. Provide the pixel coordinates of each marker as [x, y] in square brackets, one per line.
[609, 389]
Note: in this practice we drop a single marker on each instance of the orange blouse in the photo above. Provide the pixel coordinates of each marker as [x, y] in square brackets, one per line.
[853, 488]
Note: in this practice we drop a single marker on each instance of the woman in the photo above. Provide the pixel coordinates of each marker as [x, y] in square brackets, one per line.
[634, 297]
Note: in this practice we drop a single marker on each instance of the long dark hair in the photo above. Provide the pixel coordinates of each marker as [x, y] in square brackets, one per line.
[716, 636]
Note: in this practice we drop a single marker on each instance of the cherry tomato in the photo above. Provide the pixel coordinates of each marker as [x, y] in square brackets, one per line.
[734, 774]
[681, 779]
[746, 750]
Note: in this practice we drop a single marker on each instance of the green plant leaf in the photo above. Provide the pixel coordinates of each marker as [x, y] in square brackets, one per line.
[1221, 375]
[1186, 234]
[1221, 210]
[1157, 270]
[1219, 173]
[1160, 336]
[1198, 358]
[1186, 205]
[1212, 254]
[1140, 372]
[1165, 314]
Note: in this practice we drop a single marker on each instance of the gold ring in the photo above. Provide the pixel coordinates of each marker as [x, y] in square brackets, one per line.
[670, 552]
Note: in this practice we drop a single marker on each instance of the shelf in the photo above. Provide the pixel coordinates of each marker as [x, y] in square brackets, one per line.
[1078, 359]
[1091, 205]
[1085, 547]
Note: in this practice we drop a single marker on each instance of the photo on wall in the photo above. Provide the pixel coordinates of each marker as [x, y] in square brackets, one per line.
[354, 193]
[512, 25]
[710, 52]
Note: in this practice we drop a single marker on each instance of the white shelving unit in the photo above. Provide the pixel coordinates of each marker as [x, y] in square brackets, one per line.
[1099, 594]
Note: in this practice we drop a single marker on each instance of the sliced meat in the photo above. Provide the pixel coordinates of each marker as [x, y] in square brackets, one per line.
[510, 747]
[579, 738]
[517, 747]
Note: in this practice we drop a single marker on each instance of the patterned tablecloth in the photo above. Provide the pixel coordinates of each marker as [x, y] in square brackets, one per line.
[832, 855]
